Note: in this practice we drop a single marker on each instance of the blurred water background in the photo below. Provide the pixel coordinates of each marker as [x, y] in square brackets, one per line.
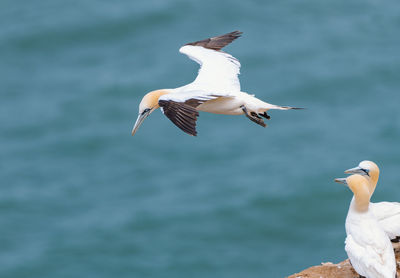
[80, 197]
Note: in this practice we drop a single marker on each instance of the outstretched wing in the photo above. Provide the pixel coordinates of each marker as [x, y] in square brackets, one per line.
[180, 108]
[218, 70]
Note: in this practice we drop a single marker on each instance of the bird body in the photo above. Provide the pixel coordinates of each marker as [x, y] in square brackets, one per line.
[387, 213]
[228, 104]
[216, 89]
[367, 245]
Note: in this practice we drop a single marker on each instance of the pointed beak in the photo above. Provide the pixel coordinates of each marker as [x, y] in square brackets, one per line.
[355, 170]
[139, 121]
[341, 180]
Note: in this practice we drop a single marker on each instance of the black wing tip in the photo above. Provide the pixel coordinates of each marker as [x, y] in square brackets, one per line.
[232, 35]
[218, 42]
[235, 34]
[293, 108]
[194, 134]
[181, 114]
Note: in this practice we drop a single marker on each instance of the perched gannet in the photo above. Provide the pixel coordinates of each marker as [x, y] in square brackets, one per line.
[368, 247]
[387, 213]
[216, 89]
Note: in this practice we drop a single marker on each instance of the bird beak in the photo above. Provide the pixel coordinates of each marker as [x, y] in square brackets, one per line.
[139, 121]
[355, 170]
[341, 180]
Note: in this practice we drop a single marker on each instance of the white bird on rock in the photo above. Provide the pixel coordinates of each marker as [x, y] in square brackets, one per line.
[367, 245]
[215, 90]
[387, 213]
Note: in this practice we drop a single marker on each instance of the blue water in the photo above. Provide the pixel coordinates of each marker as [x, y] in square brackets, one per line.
[80, 197]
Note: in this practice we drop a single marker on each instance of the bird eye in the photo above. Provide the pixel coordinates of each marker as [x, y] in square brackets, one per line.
[366, 171]
[146, 111]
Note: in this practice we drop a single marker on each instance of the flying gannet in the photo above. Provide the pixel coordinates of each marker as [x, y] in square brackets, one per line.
[368, 247]
[387, 213]
[216, 89]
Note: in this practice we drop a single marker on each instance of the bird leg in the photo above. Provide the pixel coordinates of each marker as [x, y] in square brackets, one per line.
[254, 114]
[253, 117]
[265, 115]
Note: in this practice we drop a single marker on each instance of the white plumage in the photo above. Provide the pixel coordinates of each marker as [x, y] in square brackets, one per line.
[216, 89]
[387, 213]
[388, 216]
[367, 245]
[218, 70]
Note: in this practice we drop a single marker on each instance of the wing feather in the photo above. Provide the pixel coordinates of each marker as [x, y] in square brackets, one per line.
[180, 108]
[366, 261]
[218, 70]
[193, 98]
[388, 216]
[181, 114]
[217, 43]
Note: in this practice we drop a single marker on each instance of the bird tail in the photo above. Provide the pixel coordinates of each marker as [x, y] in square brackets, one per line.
[277, 107]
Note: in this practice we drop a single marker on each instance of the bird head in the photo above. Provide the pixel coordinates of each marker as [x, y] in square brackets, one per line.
[148, 104]
[359, 185]
[368, 169]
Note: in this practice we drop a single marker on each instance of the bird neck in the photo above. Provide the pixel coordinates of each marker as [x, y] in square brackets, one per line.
[152, 97]
[361, 200]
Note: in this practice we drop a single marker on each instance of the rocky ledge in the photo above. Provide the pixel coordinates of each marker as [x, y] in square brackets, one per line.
[340, 270]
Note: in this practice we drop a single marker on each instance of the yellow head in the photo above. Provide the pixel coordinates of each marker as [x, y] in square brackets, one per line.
[369, 170]
[360, 187]
[148, 104]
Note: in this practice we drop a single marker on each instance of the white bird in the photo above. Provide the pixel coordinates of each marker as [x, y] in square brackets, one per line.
[387, 213]
[367, 245]
[215, 90]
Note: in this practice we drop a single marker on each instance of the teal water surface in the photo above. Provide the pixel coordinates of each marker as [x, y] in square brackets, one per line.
[80, 197]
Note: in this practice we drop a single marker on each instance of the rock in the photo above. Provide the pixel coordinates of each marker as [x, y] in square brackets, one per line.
[330, 270]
